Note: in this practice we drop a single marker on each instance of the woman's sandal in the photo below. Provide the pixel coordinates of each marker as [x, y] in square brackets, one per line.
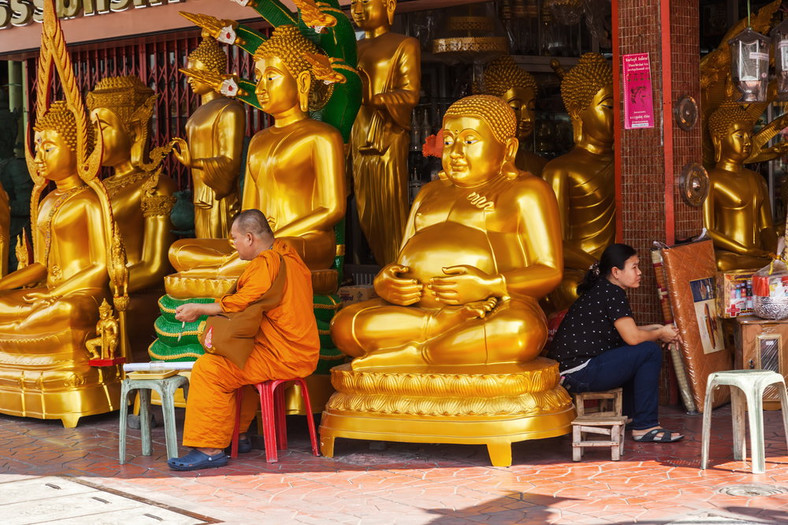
[196, 460]
[665, 436]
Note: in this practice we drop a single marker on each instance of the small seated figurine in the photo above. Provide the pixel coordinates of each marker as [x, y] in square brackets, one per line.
[295, 175]
[455, 336]
[737, 212]
[504, 78]
[583, 178]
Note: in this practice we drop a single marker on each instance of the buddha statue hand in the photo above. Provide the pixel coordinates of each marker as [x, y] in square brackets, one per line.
[40, 299]
[181, 151]
[390, 286]
[466, 284]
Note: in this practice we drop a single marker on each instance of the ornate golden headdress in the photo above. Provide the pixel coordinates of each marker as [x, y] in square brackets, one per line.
[503, 74]
[126, 96]
[211, 54]
[578, 87]
[492, 110]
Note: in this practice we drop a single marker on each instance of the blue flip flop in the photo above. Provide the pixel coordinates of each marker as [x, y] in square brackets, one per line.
[196, 460]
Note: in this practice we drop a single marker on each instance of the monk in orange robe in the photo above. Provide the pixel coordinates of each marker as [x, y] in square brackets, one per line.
[286, 346]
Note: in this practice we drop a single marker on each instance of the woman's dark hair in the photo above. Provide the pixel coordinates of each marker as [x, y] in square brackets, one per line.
[615, 255]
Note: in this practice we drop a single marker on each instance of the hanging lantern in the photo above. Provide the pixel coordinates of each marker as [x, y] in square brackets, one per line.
[750, 65]
[780, 39]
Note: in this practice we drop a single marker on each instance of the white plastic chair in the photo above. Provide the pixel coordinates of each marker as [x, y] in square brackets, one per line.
[749, 387]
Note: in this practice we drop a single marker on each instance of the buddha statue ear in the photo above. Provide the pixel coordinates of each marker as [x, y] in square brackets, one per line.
[717, 143]
[391, 7]
[304, 82]
[508, 167]
[577, 128]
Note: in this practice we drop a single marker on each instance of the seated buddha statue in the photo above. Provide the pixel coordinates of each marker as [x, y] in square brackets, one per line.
[504, 78]
[481, 247]
[295, 175]
[141, 199]
[583, 178]
[449, 352]
[213, 146]
[737, 212]
[49, 308]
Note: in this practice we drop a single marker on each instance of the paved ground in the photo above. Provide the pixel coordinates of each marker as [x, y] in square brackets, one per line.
[49, 474]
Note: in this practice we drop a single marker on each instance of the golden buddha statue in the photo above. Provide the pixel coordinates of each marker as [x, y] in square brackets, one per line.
[458, 310]
[390, 69]
[213, 146]
[583, 178]
[49, 308]
[737, 211]
[141, 199]
[504, 78]
[294, 174]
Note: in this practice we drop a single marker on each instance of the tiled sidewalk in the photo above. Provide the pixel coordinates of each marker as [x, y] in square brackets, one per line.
[373, 483]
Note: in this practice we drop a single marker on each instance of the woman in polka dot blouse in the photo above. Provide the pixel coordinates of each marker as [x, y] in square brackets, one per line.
[599, 346]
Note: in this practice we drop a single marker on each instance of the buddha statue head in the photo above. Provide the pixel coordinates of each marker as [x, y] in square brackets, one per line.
[56, 143]
[369, 15]
[284, 76]
[479, 140]
[730, 127]
[587, 92]
[123, 106]
[208, 56]
[504, 78]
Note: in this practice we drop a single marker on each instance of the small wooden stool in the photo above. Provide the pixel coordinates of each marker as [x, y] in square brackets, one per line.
[605, 419]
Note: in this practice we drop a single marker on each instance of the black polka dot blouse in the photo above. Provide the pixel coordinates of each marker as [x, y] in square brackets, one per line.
[588, 330]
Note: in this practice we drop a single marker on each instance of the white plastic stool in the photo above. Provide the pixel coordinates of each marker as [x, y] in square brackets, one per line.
[749, 386]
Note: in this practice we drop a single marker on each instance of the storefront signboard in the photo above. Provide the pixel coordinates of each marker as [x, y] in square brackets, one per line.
[638, 97]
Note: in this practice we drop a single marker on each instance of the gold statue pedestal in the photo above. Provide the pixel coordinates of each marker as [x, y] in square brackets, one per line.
[49, 377]
[493, 405]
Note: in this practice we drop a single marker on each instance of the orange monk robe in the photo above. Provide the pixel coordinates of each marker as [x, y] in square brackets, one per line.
[287, 346]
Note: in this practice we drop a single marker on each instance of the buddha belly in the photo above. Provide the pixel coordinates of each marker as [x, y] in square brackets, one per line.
[442, 245]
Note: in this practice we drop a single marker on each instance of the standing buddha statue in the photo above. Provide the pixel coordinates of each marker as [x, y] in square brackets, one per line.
[141, 199]
[583, 178]
[390, 69]
[737, 212]
[504, 78]
[449, 351]
[294, 175]
[213, 147]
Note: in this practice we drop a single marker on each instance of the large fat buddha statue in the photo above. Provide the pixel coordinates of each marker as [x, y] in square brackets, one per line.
[141, 199]
[294, 175]
[737, 212]
[390, 69]
[213, 146]
[583, 178]
[450, 349]
[504, 78]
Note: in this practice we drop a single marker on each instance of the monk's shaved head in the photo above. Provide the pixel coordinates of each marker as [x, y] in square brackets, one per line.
[254, 222]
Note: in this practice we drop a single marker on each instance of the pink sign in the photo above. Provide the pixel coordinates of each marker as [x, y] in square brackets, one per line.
[638, 99]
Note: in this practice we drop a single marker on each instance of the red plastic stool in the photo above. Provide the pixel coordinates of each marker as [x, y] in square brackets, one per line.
[272, 406]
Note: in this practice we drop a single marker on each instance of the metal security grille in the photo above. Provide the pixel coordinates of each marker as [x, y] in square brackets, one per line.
[155, 61]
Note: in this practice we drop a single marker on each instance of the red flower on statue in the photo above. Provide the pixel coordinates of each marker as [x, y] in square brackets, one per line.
[433, 145]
